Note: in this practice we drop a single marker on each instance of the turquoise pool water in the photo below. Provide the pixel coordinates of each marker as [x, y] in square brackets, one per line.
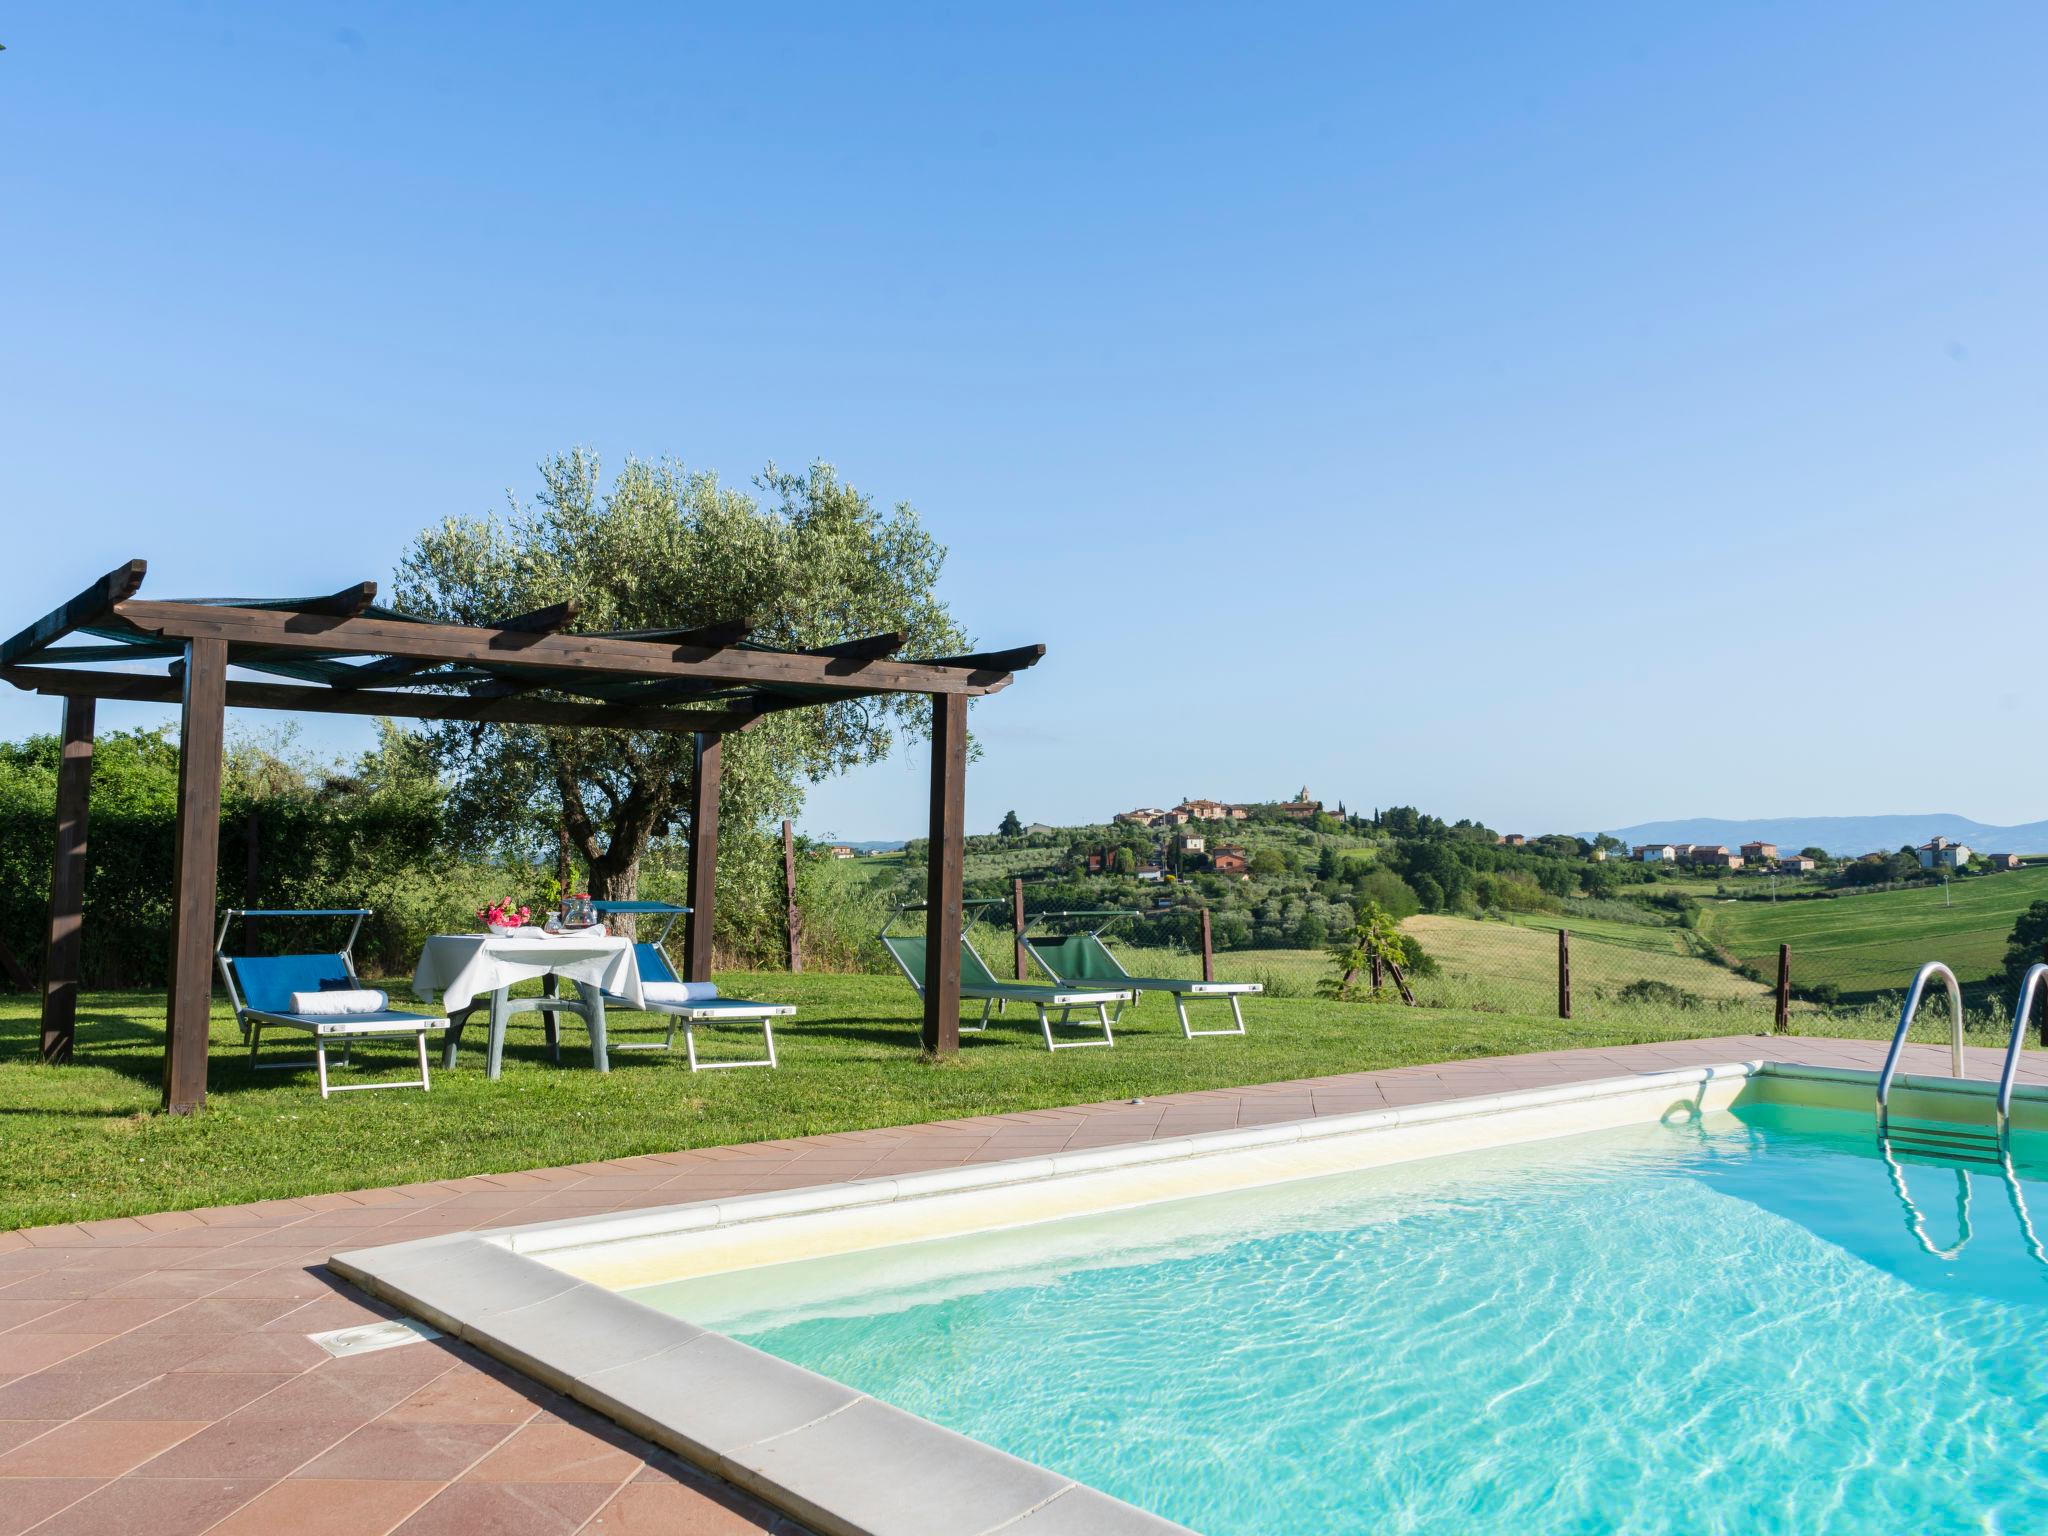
[1727, 1326]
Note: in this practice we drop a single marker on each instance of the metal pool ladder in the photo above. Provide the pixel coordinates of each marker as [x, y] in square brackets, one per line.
[2029, 987]
[1967, 1144]
[1970, 1143]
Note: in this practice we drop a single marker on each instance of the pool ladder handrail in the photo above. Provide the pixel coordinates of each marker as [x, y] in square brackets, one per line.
[1891, 1059]
[2029, 986]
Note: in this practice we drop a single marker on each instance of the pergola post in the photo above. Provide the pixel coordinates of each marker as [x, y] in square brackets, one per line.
[703, 868]
[195, 872]
[67, 883]
[943, 859]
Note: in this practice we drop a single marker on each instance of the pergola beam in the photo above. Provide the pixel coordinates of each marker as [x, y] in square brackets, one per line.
[147, 688]
[866, 648]
[979, 664]
[436, 643]
[397, 669]
[95, 602]
[345, 604]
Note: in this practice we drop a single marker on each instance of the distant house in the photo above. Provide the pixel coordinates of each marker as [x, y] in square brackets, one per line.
[1151, 872]
[1704, 853]
[1142, 817]
[1715, 858]
[1190, 842]
[1756, 853]
[1229, 861]
[840, 851]
[1176, 817]
[1096, 863]
[1300, 808]
[1039, 829]
[1940, 853]
[1655, 853]
[2005, 860]
[1795, 864]
[1513, 840]
[1205, 810]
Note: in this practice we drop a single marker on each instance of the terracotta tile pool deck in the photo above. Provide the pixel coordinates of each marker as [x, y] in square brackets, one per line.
[156, 1374]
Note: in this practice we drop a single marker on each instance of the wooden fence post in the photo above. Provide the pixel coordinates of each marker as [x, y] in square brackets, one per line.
[1017, 922]
[1564, 974]
[1783, 1023]
[1208, 948]
[792, 921]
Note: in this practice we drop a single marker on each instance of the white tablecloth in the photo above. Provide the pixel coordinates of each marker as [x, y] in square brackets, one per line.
[464, 966]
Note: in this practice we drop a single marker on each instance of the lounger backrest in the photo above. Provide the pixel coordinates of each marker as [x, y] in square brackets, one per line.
[910, 954]
[267, 982]
[1077, 957]
[654, 964]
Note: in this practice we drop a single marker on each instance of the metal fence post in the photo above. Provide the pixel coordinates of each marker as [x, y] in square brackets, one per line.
[1564, 974]
[1208, 949]
[1782, 1024]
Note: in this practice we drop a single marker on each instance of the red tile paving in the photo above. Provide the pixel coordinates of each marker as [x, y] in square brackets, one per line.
[155, 1373]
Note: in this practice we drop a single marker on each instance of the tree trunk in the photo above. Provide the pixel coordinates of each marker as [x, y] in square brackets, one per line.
[617, 880]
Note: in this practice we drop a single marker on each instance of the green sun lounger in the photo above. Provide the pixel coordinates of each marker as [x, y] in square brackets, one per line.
[978, 982]
[1082, 959]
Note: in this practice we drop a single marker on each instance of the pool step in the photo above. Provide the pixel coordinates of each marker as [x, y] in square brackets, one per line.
[1961, 1143]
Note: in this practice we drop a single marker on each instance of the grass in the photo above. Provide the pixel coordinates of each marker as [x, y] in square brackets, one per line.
[87, 1141]
[1870, 945]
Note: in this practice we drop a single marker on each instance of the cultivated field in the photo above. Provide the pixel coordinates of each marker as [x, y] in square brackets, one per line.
[1868, 945]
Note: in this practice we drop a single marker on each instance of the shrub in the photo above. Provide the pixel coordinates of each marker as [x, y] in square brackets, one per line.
[1646, 992]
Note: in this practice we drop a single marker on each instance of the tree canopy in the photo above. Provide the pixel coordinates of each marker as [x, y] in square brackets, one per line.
[805, 558]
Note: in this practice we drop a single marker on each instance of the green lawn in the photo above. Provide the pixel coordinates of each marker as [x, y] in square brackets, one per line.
[1872, 944]
[85, 1140]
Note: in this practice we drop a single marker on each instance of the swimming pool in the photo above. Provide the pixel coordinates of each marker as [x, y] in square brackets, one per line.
[1711, 1311]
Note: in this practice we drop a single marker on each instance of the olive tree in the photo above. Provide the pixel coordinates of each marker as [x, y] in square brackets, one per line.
[804, 557]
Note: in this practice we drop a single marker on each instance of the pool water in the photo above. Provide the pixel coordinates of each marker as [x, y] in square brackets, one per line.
[1726, 1325]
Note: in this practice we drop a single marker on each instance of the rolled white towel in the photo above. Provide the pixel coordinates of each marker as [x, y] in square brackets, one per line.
[678, 991]
[362, 1000]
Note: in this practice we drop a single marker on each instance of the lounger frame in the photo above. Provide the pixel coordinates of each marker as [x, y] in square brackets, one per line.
[655, 965]
[1101, 955]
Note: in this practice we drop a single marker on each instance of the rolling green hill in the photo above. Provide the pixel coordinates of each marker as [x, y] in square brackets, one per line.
[1868, 944]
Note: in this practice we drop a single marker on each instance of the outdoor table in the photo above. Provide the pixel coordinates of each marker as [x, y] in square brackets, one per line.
[463, 967]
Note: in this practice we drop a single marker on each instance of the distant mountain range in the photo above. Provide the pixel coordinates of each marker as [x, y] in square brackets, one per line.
[1842, 836]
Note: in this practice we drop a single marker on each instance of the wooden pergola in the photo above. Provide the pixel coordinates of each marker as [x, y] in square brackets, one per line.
[343, 654]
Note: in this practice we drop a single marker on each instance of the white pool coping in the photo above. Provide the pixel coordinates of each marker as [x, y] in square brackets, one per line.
[847, 1464]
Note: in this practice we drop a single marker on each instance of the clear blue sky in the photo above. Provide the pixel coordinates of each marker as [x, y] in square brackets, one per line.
[1562, 417]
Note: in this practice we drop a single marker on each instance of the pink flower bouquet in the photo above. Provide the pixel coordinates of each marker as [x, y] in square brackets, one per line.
[501, 917]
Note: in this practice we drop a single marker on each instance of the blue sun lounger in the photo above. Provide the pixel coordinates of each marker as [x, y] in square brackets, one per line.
[261, 987]
[653, 960]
